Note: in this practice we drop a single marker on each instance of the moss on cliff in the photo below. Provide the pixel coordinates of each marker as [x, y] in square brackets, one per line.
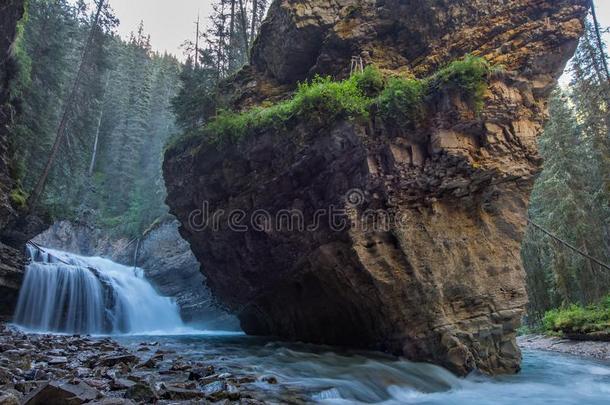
[399, 101]
[322, 100]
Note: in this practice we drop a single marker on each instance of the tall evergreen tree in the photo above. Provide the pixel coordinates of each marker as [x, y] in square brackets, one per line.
[572, 196]
[68, 109]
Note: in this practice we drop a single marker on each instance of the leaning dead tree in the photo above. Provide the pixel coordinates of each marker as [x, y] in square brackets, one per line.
[61, 129]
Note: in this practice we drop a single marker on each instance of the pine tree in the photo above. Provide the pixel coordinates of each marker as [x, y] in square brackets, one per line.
[67, 111]
[572, 196]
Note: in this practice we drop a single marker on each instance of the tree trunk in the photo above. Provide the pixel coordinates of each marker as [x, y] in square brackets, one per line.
[97, 132]
[600, 41]
[61, 130]
[244, 24]
[232, 34]
[254, 16]
[197, 44]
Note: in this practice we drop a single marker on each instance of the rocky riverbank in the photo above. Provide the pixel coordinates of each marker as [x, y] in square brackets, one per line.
[47, 369]
[591, 349]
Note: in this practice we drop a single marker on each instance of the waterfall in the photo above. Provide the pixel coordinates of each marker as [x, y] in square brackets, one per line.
[66, 293]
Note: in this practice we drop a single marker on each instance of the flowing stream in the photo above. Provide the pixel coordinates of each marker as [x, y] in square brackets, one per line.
[66, 293]
[330, 375]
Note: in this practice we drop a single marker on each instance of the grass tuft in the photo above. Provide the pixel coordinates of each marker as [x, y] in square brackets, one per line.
[402, 102]
[19, 198]
[468, 75]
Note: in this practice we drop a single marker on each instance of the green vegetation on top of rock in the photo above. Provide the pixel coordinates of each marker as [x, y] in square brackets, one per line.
[577, 319]
[322, 99]
[466, 75]
[399, 101]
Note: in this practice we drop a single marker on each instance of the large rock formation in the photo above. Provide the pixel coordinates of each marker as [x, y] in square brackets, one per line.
[443, 281]
[165, 257]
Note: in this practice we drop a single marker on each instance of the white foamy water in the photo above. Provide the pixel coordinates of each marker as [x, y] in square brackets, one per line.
[328, 375]
[66, 293]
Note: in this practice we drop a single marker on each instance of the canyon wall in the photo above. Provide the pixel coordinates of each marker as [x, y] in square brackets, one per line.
[442, 281]
[11, 260]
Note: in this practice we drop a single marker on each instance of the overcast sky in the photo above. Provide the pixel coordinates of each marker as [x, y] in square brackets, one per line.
[171, 22]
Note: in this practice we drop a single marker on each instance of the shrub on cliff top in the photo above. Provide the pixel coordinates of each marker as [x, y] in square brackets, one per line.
[402, 102]
[399, 101]
[467, 75]
[321, 100]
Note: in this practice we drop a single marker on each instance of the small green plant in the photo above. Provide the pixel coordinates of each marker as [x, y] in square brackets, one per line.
[19, 198]
[328, 100]
[370, 81]
[578, 319]
[402, 102]
[469, 75]
[321, 100]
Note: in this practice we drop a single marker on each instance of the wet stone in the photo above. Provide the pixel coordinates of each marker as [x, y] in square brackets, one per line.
[82, 372]
[180, 366]
[121, 384]
[57, 360]
[35, 375]
[269, 379]
[111, 361]
[141, 392]
[201, 372]
[97, 383]
[25, 387]
[5, 376]
[62, 393]
[233, 392]
[150, 363]
[182, 394]
[214, 388]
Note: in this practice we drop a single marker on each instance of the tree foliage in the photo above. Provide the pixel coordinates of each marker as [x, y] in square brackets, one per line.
[571, 198]
[123, 97]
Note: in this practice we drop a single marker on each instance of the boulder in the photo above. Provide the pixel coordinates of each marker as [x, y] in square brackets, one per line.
[58, 393]
[201, 372]
[441, 281]
[121, 384]
[114, 360]
[141, 392]
[181, 394]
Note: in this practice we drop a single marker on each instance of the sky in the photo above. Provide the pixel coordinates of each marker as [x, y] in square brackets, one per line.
[171, 22]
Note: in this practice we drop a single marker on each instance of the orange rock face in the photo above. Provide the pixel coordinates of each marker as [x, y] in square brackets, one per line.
[441, 280]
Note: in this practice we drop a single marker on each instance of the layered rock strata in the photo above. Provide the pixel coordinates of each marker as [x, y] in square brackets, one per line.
[441, 280]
